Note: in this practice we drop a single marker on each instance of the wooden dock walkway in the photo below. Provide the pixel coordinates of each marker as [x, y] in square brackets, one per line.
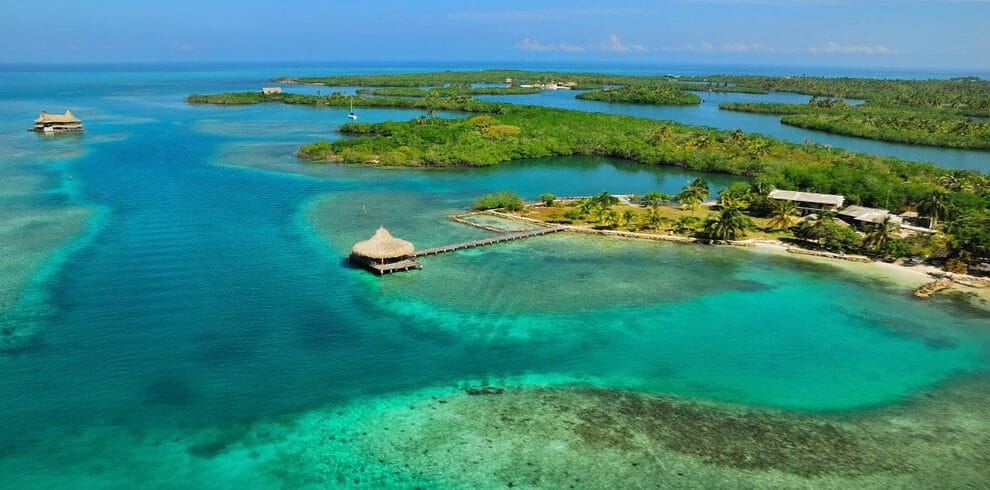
[400, 266]
[508, 237]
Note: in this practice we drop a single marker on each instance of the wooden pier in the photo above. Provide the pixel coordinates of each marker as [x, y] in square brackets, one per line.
[508, 237]
[400, 266]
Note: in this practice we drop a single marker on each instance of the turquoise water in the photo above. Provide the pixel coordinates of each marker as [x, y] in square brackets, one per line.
[176, 268]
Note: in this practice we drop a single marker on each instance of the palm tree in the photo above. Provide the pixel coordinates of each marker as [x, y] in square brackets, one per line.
[653, 217]
[728, 225]
[610, 218]
[701, 188]
[627, 216]
[685, 224]
[736, 195]
[586, 206]
[688, 199]
[605, 200]
[694, 194]
[875, 239]
[784, 215]
[936, 205]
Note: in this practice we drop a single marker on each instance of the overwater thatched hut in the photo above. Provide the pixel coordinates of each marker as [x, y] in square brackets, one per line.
[383, 253]
[56, 123]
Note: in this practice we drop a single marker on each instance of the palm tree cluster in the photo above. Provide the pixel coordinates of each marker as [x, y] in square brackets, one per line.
[693, 194]
[601, 206]
[729, 224]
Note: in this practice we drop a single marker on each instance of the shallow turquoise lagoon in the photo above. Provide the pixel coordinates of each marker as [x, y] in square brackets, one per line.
[176, 267]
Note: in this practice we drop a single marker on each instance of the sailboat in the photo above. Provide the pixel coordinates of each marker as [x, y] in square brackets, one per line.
[352, 115]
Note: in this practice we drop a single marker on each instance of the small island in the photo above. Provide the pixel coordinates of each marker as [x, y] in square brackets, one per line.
[661, 94]
[939, 127]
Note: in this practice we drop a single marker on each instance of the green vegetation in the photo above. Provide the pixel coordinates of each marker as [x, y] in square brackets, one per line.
[542, 132]
[770, 108]
[829, 233]
[506, 200]
[970, 95]
[729, 224]
[718, 87]
[914, 125]
[460, 104]
[969, 234]
[665, 94]
[584, 81]
[451, 91]
[507, 132]
[783, 215]
[748, 216]
[438, 79]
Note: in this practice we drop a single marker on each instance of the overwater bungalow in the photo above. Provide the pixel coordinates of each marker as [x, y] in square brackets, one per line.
[56, 123]
[809, 202]
[383, 253]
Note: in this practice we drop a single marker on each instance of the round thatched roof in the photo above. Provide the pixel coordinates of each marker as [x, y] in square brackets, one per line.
[383, 246]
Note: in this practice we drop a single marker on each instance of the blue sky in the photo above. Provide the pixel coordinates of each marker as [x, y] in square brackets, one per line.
[882, 33]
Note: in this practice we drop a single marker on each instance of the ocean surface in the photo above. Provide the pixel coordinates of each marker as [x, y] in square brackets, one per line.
[175, 275]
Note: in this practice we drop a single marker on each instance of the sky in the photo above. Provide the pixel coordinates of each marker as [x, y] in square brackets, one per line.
[952, 34]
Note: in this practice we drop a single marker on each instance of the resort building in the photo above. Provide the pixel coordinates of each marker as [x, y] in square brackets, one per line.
[56, 123]
[383, 253]
[809, 202]
[550, 85]
[915, 222]
[862, 216]
[271, 90]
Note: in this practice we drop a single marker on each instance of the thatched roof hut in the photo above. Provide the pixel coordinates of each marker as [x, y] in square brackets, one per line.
[57, 118]
[382, 246]
[49, 123]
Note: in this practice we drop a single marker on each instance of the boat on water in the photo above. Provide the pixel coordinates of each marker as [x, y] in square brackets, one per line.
[352, 115]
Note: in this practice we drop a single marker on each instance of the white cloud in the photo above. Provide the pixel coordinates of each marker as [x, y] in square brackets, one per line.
[190, 47]
[615, 45]
[733, 47]
[529, 44]
[833, 47]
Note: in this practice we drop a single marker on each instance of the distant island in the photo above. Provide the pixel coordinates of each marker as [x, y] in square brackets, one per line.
[660, 94]
[924, 112]
[914, 125]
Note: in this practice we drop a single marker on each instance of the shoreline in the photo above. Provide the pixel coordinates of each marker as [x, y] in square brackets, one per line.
[915, 276]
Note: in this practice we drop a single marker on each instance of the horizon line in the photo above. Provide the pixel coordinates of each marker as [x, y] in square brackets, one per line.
[506, 64]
